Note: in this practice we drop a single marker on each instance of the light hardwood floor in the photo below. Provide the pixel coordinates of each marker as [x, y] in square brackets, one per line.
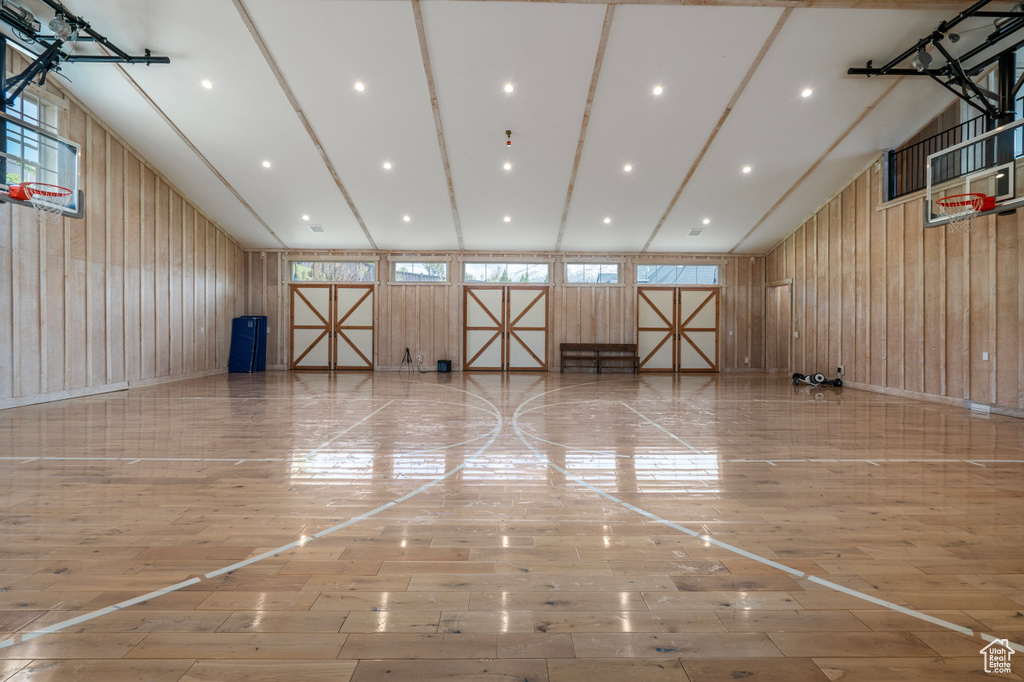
[292, 526]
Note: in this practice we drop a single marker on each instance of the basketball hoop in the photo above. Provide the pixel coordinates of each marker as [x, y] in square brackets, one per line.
[48, 201]
[961, 209]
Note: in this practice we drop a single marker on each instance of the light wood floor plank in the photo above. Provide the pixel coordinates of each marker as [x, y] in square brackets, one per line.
[277, 526]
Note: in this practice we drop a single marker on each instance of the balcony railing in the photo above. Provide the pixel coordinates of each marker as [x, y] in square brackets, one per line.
[908, 167]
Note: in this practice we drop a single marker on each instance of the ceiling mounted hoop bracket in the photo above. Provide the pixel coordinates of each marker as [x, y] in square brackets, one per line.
[67, 28]
[957, 74]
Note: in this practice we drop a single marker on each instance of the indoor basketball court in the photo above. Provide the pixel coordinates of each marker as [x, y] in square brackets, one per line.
[453, 339]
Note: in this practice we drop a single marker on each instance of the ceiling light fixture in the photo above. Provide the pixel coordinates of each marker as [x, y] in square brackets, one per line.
[359, 86]
[658, 90]
[305, 217]
[508, 87]
[406, 218]
[507, 166]
[707, 221]
[387, 165]
[807, 92]
[627, 168]
[607, 220]
[266, 164]
[746, 169]
[508, 219]
[922, 60]
[207, 84]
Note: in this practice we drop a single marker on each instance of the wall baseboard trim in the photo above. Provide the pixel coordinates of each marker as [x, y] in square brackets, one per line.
[61, 395]
[941, 399]
[41, 398]
[141, 383]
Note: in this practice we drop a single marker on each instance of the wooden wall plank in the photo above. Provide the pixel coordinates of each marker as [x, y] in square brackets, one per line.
[757, 314]
[800, 301]
[98, 301]
[933, 291]
[1008, 324]
[848, 264]
[921, 305]
[894, 325]
[175, 278]
[878, 292]
[981, 341]
[835, 284]
[913, 297]
[116, 263]
[188, 286]
[861, 370]
[955, 310]
[811, 306]
[7, 261]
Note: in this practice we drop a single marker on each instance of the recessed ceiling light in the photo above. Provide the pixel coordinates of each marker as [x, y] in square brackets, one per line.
[207, 84]
[807, 92]
[607, 220]
[387, 165]
[658, 90]
[305, 217]
[508, 219]
[746, 169]
[627, 168]
[359, 86]
[707, 221]
[266, 164]
[406, 218]
[508, 87]
[507, 166]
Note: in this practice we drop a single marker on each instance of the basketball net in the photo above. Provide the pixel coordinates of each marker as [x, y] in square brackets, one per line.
[48, 202]
[961, 210]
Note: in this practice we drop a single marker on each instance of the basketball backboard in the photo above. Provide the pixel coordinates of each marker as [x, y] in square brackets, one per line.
[988, 164]
[30, 153]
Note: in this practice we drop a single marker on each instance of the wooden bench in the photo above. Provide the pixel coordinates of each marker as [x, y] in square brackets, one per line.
[599, 356]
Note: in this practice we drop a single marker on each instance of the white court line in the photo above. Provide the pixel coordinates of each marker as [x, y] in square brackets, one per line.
[495, 432]
[71, 622]
[523, 437]
[326, 443]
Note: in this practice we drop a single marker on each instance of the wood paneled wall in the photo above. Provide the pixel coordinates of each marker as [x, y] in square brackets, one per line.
[427, 318]
[905, 309]
[143, 289]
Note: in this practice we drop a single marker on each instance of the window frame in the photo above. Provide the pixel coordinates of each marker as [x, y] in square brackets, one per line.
[620, 267]
[394, 262]
[717, 264]
[290, 274]
[463, 262]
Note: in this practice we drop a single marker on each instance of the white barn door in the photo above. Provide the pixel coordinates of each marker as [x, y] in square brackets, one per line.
[677, 329]
[698, 330]
[483, 332]
[311, 326]
[505, 328]
[656, 329]
[353, 327]
[332, 326]
[527, 334]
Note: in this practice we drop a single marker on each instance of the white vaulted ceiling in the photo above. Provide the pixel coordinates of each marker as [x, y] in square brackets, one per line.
[435, 108]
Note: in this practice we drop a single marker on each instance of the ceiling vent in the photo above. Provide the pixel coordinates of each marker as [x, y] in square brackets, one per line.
[696, 232]
[319, 229]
